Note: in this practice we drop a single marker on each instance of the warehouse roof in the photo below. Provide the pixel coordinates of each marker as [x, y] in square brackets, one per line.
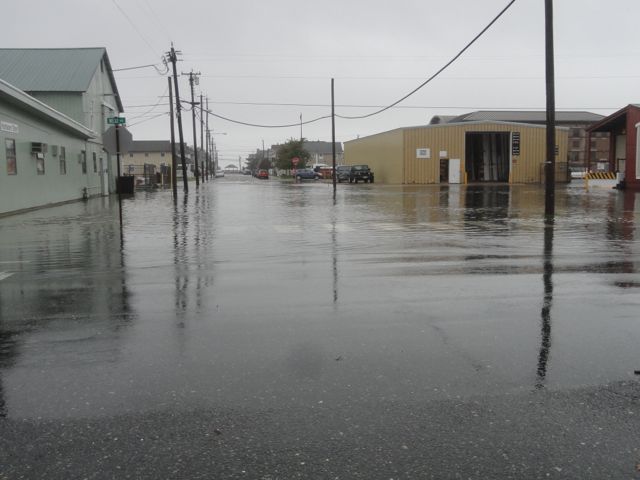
[54, 69]
[521, 116]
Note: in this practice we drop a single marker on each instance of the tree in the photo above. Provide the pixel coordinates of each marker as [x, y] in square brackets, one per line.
[292, 149]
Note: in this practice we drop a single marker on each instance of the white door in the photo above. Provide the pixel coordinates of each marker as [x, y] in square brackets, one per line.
[454, 170]
[104, 186]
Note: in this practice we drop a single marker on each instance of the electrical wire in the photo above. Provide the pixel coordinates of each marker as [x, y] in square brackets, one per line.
[154, 106]
[148, 119]
[134, 26]
[442, 69]
[155, 66]
[297, 124]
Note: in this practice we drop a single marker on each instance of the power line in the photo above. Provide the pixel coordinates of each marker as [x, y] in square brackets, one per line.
[147, 119]
[134, 26]
[166, 67]
[297, 124]
[458, 55]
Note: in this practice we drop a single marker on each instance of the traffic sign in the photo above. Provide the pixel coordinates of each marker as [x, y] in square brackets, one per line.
[295, 160]
[116, 120]
[114, 136]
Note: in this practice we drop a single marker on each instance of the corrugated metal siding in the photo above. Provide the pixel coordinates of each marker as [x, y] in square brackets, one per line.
[526, 168]
[383, 153]
[62, 70]
[71, 104]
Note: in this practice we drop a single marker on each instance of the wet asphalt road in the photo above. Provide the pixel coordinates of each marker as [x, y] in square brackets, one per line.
[258, 330]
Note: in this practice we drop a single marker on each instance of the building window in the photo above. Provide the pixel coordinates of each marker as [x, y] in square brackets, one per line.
[131, 155]
[146, 154]
[162, 154]
[39, 163]
[95, 163]
[10, 148]
[83, 161]
[63, 161]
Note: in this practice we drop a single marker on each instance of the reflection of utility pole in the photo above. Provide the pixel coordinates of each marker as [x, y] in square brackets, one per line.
[193, 80]
[545, 313]
[550, 164]
[173, 59]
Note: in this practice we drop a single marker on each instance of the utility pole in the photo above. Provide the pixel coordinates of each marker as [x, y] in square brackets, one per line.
[208, 158]
[193, 80]
[550, 164]
[173, 59]
[174, 163]
[204, 160]
[333, 137]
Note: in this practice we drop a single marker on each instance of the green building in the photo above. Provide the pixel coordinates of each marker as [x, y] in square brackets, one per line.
[54, 106]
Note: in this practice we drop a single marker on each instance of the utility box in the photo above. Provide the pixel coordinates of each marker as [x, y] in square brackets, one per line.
[125, 185]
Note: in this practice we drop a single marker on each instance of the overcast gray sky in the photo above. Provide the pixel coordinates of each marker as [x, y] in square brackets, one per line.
[269, 62]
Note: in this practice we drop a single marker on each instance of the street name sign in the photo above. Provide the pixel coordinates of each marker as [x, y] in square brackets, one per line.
[116, 120]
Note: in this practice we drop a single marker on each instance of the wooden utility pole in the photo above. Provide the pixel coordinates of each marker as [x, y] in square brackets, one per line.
[204, 160]
[174, 162]
[550, 164]
[208, 143]
[173, 59]
[333, 136]
[193, 78]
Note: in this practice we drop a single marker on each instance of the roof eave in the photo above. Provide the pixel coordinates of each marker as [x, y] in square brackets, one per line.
[35, 106]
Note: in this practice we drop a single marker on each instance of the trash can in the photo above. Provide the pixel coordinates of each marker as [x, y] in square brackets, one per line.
[125, 185]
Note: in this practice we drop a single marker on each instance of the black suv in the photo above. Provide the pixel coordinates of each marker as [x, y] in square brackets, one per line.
[360, 172]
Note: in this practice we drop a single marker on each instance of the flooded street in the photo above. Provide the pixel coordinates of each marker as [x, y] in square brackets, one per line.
[262, 330]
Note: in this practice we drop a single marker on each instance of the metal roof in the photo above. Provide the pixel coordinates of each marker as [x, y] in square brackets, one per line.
[54, 69]
[616, 117]
[138, 146]
[521, 116]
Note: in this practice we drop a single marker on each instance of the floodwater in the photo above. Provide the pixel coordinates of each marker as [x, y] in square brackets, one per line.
[387, 319]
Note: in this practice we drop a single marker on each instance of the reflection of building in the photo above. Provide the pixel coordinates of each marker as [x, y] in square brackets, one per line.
[466, 152]
[577, 122]
[54, 106]
[623, 130]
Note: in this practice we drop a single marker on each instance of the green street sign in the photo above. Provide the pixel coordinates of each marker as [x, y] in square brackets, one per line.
[116, 120]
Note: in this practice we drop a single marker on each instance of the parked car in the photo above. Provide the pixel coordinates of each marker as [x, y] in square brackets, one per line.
[219, 173]
[307, 174]
[263, 175]
[360, 172]
[342, 172]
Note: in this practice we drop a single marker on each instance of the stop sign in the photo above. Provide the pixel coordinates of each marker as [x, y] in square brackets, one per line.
[295, 160]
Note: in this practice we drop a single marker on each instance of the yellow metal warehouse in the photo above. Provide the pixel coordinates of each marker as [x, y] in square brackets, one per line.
[466, 152]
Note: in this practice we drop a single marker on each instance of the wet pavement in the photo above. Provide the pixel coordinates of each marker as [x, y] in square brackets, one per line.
[262, 330]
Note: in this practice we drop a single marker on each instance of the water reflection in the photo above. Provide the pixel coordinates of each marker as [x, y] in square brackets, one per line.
[486, 206]
[68, 275]
[547, 300]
